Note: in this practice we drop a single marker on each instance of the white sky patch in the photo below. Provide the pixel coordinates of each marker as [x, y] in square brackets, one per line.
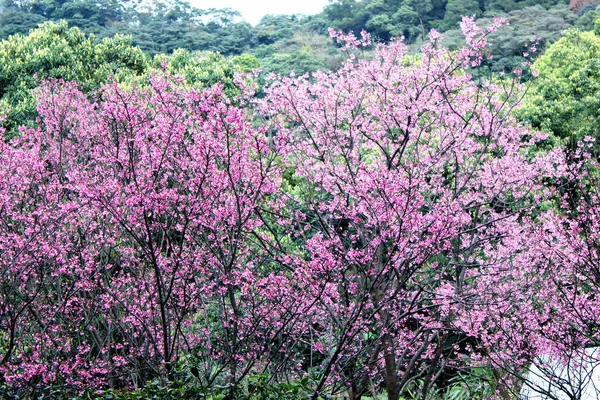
[253, 10]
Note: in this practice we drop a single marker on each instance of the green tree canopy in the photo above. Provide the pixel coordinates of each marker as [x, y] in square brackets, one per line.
[204, 69]
[92, 16]
[412, 18]
[511, 5]
[57, 51]
[510, 42]
[455, 9]
[565, 98]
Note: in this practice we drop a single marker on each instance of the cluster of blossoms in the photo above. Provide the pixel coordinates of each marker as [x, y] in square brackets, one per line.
[388, 222]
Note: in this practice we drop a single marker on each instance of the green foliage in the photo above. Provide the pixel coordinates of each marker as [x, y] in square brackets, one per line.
[478, 383]
[546, 25]
[153, 390]
[92, 16]
[255, 387]
[59, 52]
[156, 27]
[397, 18]
[245, 62]
[273, 28]
[564, 99]
[178, 25]
[384, 19]
[166, 25]
[347, 15]
[294, 43]
[14, 21]
[56, 51]
[587, 19]
[512, 5]
[510, 42]
[201, 69]
[412, 18]
[303, 52]
[299, 61]
[455, 9]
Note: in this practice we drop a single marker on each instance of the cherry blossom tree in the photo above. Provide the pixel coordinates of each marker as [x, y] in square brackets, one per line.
[415, 194]
[124, 237]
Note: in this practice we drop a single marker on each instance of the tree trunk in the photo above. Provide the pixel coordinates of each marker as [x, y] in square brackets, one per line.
[391, 378]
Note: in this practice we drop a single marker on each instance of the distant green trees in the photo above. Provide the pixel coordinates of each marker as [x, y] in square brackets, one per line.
[56, 51]
[203, 69]
[303, 51]
[13, 20]
[273, 28]
[281, 43]
[156, 27]
[544, 26]
[455, 9]
[383, 19]
[565, 98]
[92, 16]
[411, 18]
[167, 25]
